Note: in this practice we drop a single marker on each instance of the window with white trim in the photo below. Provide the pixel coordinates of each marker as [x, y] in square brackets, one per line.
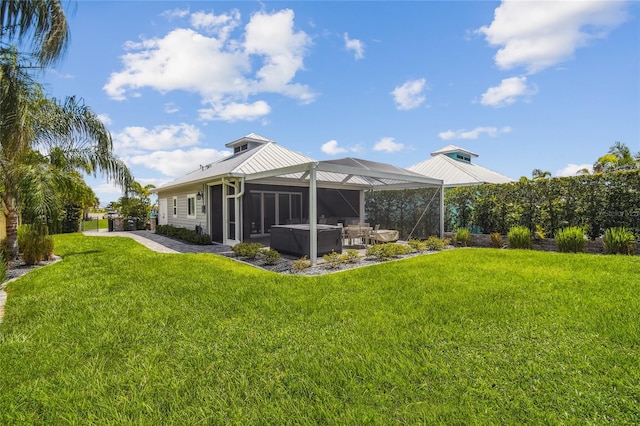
[175, 206]
[191, 206]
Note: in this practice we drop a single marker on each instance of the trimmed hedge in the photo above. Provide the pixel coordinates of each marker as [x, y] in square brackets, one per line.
[183, 234]
[592, 202]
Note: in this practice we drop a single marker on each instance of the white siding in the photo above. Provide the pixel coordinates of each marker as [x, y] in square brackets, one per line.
[182, 220]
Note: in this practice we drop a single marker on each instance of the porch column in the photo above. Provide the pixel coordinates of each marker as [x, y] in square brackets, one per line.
[442, 211]
[225, 213]
[362, 212]
[313, 216]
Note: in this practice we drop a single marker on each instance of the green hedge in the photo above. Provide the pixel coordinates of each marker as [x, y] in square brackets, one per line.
[183, 234]
[592, 202]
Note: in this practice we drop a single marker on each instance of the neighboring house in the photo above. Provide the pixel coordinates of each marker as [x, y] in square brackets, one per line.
[263, 184]
[453, 165]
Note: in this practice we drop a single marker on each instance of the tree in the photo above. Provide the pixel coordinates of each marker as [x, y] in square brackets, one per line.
[137, 203]
[41, 23]
[619, 157]
[540, 174]
[67, 133]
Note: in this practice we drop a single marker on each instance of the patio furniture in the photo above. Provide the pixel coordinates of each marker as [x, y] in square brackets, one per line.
[360, 232]
[383, 235]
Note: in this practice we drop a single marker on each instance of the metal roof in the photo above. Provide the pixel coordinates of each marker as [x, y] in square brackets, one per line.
[272, 161]
[450, 149]
[457, 173]
[265, 157]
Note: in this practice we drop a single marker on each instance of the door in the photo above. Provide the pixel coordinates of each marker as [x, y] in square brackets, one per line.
[162, 212]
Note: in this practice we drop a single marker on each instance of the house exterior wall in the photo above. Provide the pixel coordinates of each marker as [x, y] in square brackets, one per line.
[182, 220]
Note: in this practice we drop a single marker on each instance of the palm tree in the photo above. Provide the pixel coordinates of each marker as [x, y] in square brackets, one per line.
[67, 133]
[43, 23]
[619, 157]
[540, 174]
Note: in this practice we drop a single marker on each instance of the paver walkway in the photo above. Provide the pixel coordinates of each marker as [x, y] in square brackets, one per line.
[162, 244]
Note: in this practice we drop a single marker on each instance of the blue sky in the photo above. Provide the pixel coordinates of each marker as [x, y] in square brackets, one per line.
[525, 85]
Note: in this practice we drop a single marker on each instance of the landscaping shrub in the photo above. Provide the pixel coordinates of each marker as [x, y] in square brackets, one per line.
[463, 237]
[571, 240]
[35, 244]
[519, 237]
[619, 241]
[436, 244]
[387, 251]
[351, 256]
[300, 264]
[417, 245]
[271, 256]
[183, 234]
[248, 250]
[496, 240]
[333, 260]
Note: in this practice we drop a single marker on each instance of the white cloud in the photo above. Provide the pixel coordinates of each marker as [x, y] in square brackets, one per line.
[218, 25]
[107, 188]
[388, 144]
[106, 120]
[354, 45]
[171, 108]
[332, 148]
[573, 169]
[224, 71]
[540, 34]
[175, 13]
[410, 95]
[177, 162]
[507, 93]
[473, 134]
[136, 140]
[236, 111]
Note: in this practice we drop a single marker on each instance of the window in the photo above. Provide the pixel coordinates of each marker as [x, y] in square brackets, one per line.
[237, 149]
[175, 206]
[191, 206]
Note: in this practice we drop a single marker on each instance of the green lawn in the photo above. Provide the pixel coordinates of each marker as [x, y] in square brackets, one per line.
[117, 334]
[90, 225]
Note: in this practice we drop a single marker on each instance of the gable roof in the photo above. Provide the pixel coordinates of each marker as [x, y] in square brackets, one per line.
[456, 173]
[269, 155]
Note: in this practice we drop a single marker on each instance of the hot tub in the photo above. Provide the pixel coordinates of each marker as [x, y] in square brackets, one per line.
[294, 239]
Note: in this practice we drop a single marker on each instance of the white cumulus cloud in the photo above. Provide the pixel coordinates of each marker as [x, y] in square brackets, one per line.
[177, 162]
[410, 95]
[473, 134]
[332, 148]
[226, 69]
[540, 34]
[507, 93]
[105, 118]
[354, 45]
[573, 169]
[388, 144]
[236, 111]
[136, 140]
